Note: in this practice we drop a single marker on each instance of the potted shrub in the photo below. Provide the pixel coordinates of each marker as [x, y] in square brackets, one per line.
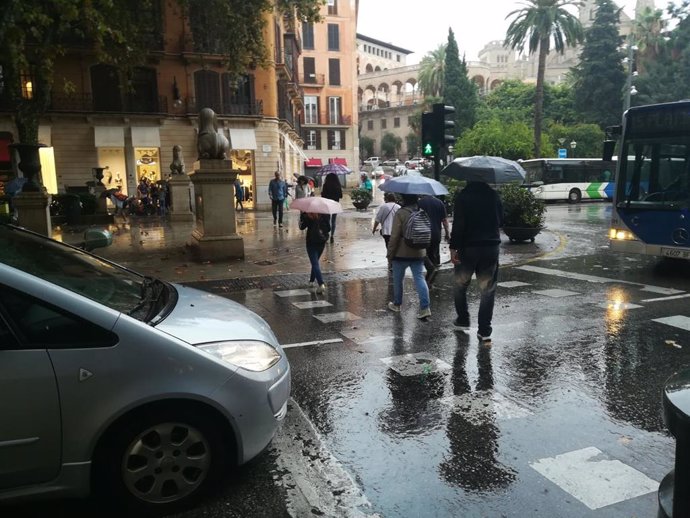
[361, 198]
[523, 214]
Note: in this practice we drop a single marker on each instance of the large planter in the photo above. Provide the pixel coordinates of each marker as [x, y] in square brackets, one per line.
[518, 234]
[30, 165]
[361, 205]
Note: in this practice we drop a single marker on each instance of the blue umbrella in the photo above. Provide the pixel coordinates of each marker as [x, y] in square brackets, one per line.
[414, 185]
[338, 169]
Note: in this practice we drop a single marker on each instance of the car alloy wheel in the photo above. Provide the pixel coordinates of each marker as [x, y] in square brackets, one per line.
[166, 462]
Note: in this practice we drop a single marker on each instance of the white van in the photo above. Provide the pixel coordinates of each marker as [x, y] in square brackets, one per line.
[372, 161]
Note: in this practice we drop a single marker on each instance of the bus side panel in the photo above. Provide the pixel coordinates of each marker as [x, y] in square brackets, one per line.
[658, 227]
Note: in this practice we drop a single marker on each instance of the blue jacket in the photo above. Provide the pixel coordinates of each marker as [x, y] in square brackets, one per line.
[277, 190]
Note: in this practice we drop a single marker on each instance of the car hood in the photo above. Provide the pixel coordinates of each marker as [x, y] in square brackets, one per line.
[200, 317]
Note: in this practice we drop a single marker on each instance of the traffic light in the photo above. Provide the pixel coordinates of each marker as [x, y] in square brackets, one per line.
[442, 125]
[428, 134]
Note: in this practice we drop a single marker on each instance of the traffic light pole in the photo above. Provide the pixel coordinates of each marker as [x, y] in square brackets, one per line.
[437, 165]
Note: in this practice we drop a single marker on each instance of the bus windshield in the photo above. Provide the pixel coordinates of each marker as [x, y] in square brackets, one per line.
[655, 171]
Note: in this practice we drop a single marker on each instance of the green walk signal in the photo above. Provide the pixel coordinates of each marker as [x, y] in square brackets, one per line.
[428, 150]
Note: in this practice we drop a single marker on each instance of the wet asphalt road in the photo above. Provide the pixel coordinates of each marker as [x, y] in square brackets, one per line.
[560, 416]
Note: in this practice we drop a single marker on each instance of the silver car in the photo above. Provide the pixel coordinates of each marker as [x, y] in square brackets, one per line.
[123, 384]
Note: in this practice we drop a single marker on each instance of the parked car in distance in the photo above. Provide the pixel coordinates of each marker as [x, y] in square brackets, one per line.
[412, 172]
[414, 163]
[377, 172]
[391, 162]
[372, 161]
[139, 390]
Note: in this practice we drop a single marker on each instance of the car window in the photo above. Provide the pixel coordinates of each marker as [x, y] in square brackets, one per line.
[82, 273]
[7, 338]
[41, 325]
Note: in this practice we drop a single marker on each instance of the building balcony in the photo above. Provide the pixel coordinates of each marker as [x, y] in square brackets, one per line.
[329, 119]
[311, 80]
[87, 103]
[247, 109]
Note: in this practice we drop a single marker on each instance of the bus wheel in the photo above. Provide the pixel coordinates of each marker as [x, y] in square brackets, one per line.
[574, 196]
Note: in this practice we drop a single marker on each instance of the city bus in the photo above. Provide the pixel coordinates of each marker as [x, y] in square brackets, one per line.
[570, 179]
[651, 213]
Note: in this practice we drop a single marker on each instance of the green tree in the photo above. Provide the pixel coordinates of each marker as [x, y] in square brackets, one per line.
[432, 72]
[493, 137]
[458, 90]
[600, 75]
[649, 36]
[390, 145]
[589, 140]
[536, 25]
[366, 147]
[413, 143]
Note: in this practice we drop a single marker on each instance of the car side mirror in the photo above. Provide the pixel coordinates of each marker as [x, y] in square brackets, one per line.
[96, 238]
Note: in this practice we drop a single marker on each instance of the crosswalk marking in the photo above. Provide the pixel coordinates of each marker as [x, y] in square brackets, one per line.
[338, 316]
[679, 321]
[291, 293]
[309, 304]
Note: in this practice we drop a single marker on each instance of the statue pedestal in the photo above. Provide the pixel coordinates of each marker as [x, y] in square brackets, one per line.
[101, 202]
[180, 198]
[215, 236]
[33, 212]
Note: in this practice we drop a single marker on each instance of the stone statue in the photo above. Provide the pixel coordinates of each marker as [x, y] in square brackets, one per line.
[211, 142]
[177, 165]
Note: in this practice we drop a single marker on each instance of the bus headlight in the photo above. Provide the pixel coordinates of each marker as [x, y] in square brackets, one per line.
[621, 235]
[538, 190]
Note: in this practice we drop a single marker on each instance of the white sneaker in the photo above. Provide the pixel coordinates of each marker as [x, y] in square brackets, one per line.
[321, 288]
[394, 307]
[424, 313]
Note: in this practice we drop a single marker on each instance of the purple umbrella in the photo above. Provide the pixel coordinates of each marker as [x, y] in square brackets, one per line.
[338, 169]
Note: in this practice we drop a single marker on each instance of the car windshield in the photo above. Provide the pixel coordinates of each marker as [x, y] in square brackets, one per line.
[82, 273]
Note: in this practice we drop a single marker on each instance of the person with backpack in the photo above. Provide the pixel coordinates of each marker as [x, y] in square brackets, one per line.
[318, 227]
[384, 217]
[474, 248]
[438, 215]
[410, 235]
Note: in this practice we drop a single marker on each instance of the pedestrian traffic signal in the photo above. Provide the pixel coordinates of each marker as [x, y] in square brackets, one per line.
[428, 134]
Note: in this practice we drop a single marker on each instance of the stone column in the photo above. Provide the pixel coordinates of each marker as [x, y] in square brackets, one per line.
[101, 201]
[215, 236]
[180, 198]
[33, 211]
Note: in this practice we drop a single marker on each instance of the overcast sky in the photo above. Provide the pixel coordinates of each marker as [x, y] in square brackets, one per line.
[422, 25]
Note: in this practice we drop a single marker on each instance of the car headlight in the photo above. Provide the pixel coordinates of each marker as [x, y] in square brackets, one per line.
[251, 355]
[621, 235]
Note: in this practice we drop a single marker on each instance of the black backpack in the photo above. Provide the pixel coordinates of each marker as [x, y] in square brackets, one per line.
[417, 231]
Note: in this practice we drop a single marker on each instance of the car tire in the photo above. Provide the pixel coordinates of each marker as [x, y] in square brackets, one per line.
[574, 196]
[156, 463]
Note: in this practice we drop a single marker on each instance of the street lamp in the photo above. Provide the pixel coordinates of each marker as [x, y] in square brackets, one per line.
[573, 145]
[629, 87]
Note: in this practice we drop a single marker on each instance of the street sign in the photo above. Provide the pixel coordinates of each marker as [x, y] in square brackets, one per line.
[562, 153]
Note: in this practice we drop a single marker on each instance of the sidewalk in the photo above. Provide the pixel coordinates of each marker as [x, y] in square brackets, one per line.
[155, 246]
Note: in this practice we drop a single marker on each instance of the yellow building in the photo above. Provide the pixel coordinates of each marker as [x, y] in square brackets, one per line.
[131, 133]
[329, 81]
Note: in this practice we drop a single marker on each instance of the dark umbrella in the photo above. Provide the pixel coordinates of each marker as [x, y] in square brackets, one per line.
[414, 185]
[489, 169]
[338, 169]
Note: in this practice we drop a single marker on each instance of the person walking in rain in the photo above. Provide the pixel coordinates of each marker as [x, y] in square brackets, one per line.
[302, 187]
[438, 215]
[333, 191]
[318, 226]
[239, 195]
[403, 257]
[384, 217]
[277, 192]
[474, 249]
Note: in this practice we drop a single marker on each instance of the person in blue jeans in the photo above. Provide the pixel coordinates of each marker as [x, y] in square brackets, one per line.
[318, 226]
[277, 191]
[474, 249]
[403, 257]
[333, 191]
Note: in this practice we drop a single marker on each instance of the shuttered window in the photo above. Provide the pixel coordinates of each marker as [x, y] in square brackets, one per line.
[333, 37]
[334, 72]
[309, 67]
[308, 36]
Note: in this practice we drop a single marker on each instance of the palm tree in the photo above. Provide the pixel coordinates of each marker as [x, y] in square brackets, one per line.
[537, 25]
[432, 72]
[649, 33]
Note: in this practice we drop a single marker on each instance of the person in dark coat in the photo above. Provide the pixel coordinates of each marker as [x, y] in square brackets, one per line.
[333, 191]
[474, 247]
[318, 226]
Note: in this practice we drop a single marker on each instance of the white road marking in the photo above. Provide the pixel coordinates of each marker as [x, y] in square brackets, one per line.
[314, 479]
[617, 306]
[309, 304]
[415, 364]
[556, 293]
[679, 321]
[478, 407]
[593, 278]
[316, 342]
[339, 316]
[594, 479]
[662, 299]
[513, 284]
[291, 293]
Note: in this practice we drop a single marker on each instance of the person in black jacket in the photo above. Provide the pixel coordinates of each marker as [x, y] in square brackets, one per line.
[474, 246]
[333, 191]
[318, 226]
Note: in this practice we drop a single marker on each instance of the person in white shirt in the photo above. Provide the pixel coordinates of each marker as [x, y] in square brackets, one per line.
[384, 217]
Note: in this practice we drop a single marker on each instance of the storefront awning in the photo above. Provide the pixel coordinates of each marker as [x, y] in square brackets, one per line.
[242, 138]
[341, 161]
[313, 162]
[109, 136]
